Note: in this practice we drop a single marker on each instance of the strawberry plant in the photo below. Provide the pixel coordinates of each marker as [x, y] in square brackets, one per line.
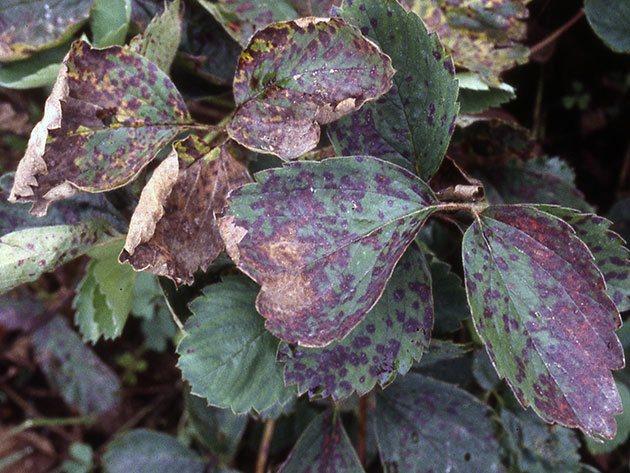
[300, 236]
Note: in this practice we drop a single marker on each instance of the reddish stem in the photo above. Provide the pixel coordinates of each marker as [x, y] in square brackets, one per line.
[556, 34]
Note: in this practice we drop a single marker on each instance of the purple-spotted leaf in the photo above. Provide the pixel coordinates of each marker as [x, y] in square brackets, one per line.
[424, 425]
[483, 36]
[323, 447]
[393, 335]
[27, 26]
[611, 256]
[322, 239]
[242, 18]
[295, 76]
[539, 304]
[110, 112]
[411, 125]
[173, 231]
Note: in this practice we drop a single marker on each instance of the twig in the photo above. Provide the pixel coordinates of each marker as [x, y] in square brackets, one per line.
[265, 445]
[362, 434]
[556, 34]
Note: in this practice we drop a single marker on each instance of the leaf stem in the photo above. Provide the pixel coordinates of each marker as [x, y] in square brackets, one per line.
[46, 422]
[474, 208]
[265, 445]
[556, 34]
[362, 434]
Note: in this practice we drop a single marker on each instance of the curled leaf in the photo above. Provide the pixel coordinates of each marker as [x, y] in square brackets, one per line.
[322, 239]
[173, 231]
[110, 112]
[295, 76]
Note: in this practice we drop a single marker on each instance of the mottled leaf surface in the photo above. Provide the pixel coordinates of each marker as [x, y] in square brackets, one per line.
[322, 239]
[411, 125]
[295, 76]
[539, 304]
[20, 311]
[27, 26]
[623, 426]
[483, 36]
[73, 370]
[425, 425]
[109, 113]
[227, 356]
[173, 231]
[147, 451]
[611, 256]
[323, 447]
[611, 22]
[393, 334]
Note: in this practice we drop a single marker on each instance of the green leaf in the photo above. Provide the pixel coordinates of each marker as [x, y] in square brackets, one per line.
[159, 42]
[81, 459]
[623, 426]
[476, 96]
[226, 355]
[109, 20]
[41, 69]
[411, 125]
[147, 451]
[324, 446]
[539, 304]
[322, 239]
[104, 295]
[149, 304]
[393, 334]
[424, 425]
[29, 26]
[611, 22]
[109, 114]
[449, 296]
[297, 75]
[73, 370]
[536, 447]
[484, 372]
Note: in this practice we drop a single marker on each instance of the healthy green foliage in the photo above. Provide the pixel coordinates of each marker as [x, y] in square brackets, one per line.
[109, 21]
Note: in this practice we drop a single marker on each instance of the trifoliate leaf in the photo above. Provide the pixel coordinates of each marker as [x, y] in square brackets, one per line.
[411, 125]
[104, 295]
[41, 69]
[160, 40]
[483, 37]
[173, 231]
[611, 22]
[73, 370]
[227, 356]
[297, 75]
[33, 25]
[322, 239]
[109, 21]
[424, 425]
[324, 446]
[539, 304]
[393, 334]
[110, 112]
[147, 451]
[623, 426]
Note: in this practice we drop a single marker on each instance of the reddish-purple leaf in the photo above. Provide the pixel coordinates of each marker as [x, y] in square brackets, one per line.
[322, 239]
[539, 303]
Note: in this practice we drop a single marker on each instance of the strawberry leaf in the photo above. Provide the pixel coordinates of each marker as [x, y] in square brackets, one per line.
[411, 125]
[610, 24]
[393, 334]
[322, 239]
[296, 75]
[539, 304]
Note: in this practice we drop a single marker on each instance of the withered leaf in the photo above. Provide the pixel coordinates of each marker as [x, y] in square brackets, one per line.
[295, 76]
[539, 304]
[322, 239]
[110, 112]
[173, 231]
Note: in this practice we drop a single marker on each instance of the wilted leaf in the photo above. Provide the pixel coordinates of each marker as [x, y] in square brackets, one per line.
[147, 451]
[160, 40]
[297, 75]
[173, 231]
[483, 37]
[476, 96]
[104, 295]
[109, 21]
[322, 239]
[611, 256]
[623, 426]
[73, 370]
[610, 22]
[32, 25]
[539, 304]
[227, 356]
[393, 334]
[411, 125]
[424, 425]
[110, 112]
[324, 447]
[32, 246]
